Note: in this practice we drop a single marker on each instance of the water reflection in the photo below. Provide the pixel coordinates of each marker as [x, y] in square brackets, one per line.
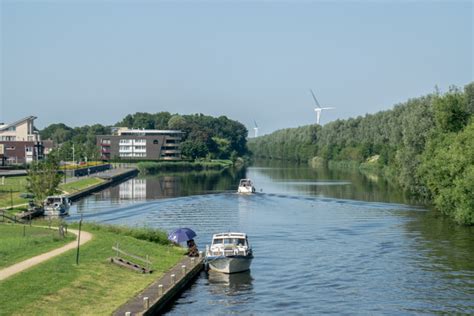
[279, 177]
[230, 284]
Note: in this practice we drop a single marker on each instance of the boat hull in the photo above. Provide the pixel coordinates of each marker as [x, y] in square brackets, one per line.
[56, 211]
[230, 264]
[246, 190]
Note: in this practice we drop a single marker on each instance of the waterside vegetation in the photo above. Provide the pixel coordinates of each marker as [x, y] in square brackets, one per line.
[147, 168]
[424, 145]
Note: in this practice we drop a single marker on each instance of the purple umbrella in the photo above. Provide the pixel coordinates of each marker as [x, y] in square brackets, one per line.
[181, 234]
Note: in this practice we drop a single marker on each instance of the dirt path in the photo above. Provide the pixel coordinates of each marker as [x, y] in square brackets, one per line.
[21, 266]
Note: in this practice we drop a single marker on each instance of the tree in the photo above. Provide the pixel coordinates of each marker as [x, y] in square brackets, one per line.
[451, 111]
[43, 179]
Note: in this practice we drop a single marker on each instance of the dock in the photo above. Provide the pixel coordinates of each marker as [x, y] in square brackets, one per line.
[111, 177]
[160, 293]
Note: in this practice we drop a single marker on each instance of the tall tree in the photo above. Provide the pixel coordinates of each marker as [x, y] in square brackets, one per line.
[43, 179]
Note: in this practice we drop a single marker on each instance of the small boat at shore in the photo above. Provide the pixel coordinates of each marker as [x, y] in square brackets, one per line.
[229, 253]
[56, 205]
[246, 186]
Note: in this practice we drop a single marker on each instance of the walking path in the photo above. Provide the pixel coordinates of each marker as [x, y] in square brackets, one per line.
[21, 266]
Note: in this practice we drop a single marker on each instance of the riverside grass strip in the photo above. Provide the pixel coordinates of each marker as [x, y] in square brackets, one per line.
[95, 286]
[80, 185]
[151, 167]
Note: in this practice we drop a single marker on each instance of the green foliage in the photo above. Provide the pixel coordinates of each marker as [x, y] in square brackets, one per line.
[451, 111]
[399, 139]
[193, 149]
[216, 137]
[43, 179]
[448, 171]
[150, 167]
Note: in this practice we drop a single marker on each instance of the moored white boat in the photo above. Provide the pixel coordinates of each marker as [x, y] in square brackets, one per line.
[229, 253]
[56, 205]
[246, 186]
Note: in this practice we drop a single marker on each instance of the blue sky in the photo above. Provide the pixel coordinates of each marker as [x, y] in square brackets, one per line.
[86, 62]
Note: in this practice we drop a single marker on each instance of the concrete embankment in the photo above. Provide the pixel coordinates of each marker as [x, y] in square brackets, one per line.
[111, 177]
[160, 293]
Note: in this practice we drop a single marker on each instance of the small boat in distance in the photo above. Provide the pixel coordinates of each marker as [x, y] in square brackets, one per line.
[56, 205]
[246, 186]
[229, 253]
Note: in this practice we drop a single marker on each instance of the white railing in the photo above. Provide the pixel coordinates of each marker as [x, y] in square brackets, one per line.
[226, 252]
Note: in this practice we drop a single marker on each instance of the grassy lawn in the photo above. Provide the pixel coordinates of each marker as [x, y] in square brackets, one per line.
[11, 190]
[95, 287]
[14, 247]
[80, 184]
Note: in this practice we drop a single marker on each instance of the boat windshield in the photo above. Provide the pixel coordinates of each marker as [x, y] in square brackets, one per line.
[229, 241]
[245, 182]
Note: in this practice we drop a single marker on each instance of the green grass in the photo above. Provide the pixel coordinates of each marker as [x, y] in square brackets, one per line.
[14, 247]
[11, 190]
[94, 287]
[79, 185]
[151, 167]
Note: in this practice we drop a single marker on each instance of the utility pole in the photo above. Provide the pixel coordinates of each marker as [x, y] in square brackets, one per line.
[78, 241]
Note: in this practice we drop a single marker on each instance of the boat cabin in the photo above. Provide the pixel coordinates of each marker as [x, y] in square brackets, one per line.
[56, 200]
[245, 183]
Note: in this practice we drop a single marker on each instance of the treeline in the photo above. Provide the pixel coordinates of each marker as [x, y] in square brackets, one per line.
[205, 136]
[426, 145]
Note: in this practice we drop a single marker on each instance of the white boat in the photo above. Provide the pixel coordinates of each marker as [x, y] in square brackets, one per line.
[229, 253]
[246, 186]
[56, 205]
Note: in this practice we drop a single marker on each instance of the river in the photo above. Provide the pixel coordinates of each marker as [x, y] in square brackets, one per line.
[324, 241]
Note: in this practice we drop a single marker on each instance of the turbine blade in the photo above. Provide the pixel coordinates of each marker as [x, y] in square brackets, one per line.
[329, 108]
[314, 98]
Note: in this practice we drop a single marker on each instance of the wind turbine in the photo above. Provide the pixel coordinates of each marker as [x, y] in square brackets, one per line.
[255, 129]
[318, 109]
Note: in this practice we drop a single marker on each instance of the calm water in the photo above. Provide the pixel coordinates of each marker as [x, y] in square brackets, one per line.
[324, 242]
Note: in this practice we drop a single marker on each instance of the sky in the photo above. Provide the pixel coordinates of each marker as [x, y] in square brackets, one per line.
[87, 62]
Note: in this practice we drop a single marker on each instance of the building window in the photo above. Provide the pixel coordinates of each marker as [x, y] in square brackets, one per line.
[29, 149]
[155, 142]
[140, 141]
[8, 138]
[11, 129]
[125, 141]
[11, 148]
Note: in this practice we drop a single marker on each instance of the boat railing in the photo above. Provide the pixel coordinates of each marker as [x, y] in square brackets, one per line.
[226, 252]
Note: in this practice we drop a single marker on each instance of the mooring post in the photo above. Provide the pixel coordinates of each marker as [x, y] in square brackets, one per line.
[192, 261]
[146, 302]
[128, 314]
[173, 279]
[183, 268]
[160, 289]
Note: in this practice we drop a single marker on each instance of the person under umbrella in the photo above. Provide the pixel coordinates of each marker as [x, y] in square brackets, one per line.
[185, 234]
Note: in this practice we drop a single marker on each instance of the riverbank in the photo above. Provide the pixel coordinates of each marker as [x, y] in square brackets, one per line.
[95, 286]
[148, 168]
[14, 200]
